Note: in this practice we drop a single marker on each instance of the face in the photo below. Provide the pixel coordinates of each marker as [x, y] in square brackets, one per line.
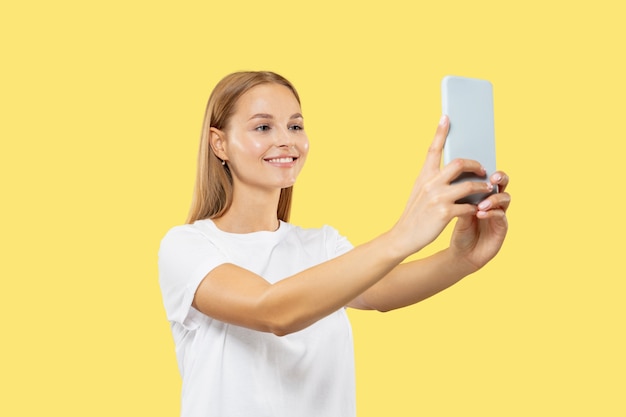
[264, 145]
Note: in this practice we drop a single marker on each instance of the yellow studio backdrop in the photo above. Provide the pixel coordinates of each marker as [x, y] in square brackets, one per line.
[101, 108]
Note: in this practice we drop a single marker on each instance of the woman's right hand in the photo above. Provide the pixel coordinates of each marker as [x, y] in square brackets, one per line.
[431, 205]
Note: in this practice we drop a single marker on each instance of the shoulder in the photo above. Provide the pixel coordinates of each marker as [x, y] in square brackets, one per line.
[187, 251]
[185, 236]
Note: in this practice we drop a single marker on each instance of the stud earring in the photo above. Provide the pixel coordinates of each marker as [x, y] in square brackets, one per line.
[223, 163]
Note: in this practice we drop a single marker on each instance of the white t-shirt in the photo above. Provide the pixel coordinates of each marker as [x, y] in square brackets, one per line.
[232, 371]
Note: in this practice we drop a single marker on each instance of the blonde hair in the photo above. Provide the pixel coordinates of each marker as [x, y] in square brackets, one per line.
[213, 192]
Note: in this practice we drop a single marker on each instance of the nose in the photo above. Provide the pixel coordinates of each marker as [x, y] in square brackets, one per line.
[284, 138]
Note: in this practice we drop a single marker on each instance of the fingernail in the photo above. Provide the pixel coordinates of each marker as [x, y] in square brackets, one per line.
[497, 177]
[484, 205]
[442, 120]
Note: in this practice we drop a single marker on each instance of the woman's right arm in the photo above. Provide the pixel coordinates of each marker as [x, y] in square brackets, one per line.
[237, 296]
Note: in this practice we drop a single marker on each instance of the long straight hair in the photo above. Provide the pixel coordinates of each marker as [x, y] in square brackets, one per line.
[213, 192]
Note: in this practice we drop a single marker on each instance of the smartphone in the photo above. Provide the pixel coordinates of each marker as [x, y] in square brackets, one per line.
[468, 102]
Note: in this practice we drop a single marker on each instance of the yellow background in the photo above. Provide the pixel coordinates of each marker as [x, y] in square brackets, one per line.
[101, 106]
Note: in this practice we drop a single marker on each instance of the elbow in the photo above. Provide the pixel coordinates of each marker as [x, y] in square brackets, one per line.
[280, 332]
[368, 301]
[391, 305]
[282, 326]
[383, 307]
[279, 320]
[282, 315]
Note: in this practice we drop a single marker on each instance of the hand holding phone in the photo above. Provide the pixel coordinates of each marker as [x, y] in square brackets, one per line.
[468, 103]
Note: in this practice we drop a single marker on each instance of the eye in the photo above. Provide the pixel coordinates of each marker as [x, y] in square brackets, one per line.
[296, 127]
[262, 128]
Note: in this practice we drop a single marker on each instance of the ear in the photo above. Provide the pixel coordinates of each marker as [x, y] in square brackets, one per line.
[218, 143]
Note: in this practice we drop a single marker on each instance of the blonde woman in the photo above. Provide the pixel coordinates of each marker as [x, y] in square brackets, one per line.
[256, 304]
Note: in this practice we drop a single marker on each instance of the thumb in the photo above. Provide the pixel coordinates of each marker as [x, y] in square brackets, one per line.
[433, 157]
[464, 222]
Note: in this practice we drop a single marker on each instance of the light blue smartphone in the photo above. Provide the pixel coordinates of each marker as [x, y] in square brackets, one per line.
[468, 102]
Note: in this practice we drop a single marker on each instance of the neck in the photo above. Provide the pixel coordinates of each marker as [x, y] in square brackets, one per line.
[251, 212]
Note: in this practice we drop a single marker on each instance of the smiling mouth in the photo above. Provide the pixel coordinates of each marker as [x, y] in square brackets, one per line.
[281, 160]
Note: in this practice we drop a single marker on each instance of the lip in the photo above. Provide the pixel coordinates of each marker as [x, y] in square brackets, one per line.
[282, 160]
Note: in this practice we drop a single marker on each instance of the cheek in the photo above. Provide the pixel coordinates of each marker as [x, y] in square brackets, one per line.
[304, 147]
[258, 146]
[248, 146]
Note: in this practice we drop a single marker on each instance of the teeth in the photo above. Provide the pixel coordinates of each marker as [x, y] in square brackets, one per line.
[280, 160]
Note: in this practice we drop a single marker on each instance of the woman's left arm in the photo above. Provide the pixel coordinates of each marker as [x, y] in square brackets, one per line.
[476, 239]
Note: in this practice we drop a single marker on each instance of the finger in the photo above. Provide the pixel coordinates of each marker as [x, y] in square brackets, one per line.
[467, 188]
[500, 179]
[463, 211]
[459, 166]
[496, 201]
[465, 222]
[492, 214]
[433, 158]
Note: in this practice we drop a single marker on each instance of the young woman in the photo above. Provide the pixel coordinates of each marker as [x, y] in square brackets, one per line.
[257, 305]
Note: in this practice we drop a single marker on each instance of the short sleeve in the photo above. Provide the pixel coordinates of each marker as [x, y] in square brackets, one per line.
[337, 244]
[186, 256]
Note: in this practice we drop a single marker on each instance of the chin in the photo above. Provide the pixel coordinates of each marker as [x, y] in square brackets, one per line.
[286, 183]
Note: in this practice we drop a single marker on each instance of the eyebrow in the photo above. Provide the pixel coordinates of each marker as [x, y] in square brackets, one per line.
[269, 116]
